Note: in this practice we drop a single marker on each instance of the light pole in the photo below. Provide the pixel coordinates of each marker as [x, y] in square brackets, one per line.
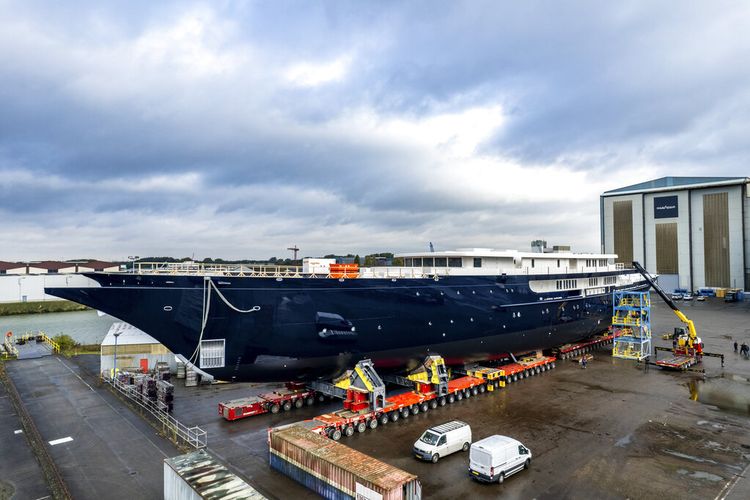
[20, 295]
[132, 259]
[116, 334]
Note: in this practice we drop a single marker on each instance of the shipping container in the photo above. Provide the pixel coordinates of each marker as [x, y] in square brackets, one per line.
[198, 475]
[335, 471]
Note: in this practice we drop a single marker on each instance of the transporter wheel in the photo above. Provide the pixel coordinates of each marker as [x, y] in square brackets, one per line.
[467, 393]
[349, 430]
[361, 427]
[442, 401]
[474, 391]
[321, 398]
[384, 419]
[435, 458]
[424, 406]
[373, 423]
[405, 413]
[394, 416]
[298, 403]
[466, 446]
[335, 434]
[414, 409]
[433, 404]
[553, 364]
[309, 400]
[287, 405]
[275, 408]
[496, 384]
[451, 398]
[459, 396]
[482, 388]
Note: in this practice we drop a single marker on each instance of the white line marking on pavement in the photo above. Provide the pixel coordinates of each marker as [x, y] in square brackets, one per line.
[19, 431]
[61, 441]
[74, 373]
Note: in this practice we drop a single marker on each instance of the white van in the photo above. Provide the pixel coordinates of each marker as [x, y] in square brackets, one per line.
[497, 457]
[442, 440]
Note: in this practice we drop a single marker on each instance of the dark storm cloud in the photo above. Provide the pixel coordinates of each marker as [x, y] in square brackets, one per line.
[300, 116]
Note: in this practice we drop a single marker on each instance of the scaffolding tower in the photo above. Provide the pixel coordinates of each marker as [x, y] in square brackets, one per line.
[631, 324]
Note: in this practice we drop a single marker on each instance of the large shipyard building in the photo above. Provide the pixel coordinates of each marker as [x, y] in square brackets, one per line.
[692, 231]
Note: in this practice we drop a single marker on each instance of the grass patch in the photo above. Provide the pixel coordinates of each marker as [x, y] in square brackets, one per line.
[46, 306]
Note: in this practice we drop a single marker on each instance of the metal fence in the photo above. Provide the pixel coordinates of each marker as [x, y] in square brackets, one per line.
[176, 431]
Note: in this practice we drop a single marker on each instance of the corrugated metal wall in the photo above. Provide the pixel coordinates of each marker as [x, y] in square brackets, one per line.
[666, 248]
[622, 215]
[176, 488]
[716, 238]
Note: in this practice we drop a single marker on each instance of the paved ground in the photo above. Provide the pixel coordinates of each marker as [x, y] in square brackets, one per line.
[610, 431]
[20, 474]
[113, 452]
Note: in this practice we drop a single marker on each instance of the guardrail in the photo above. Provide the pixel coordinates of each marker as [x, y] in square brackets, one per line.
[176, 431]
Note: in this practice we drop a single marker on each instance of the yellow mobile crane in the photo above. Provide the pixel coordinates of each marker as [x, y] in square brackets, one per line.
[687, 341]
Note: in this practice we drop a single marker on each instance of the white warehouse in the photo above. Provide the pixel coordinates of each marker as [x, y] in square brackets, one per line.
[692, 231]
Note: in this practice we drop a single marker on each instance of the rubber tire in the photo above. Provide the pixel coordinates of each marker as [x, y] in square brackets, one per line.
[474, 391]
[501, 478]
[372, 423]
[482, 388]
[383, 419]
[435, 458]
[527, 463]
[451, 398]
[466, 447]
[467, 393]
[287, 405]
[394, 416]
[405, 413]
[336, 434]
[299, 403]
[553, 364]
[433, 404]
[459, 395]
[414, 409]
[275, 408]
[321, 398]
[349, 430]
[424, 406]
[442, 401]
[309, 400]
[361, 427]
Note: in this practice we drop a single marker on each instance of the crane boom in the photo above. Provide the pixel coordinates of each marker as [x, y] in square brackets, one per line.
[692, 334]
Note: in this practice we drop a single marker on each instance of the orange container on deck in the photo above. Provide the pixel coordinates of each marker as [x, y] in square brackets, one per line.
[344, 270]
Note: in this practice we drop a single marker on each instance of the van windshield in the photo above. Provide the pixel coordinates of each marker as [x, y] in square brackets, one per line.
[430, 438]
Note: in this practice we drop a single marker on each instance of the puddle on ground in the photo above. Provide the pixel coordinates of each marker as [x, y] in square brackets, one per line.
[624, 441]
[699, 474]
[730, 393]
[689, 457]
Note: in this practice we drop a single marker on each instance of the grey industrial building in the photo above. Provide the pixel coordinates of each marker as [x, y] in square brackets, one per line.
[692, 231]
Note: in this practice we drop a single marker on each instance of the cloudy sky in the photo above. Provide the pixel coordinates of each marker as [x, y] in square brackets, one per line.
[236, 129]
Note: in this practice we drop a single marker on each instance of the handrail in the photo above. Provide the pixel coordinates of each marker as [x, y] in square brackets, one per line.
[175, 430]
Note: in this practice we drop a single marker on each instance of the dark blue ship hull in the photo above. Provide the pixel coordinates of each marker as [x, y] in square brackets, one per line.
[306, 328]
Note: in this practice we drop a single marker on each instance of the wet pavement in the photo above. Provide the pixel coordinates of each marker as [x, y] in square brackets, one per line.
[612, 430]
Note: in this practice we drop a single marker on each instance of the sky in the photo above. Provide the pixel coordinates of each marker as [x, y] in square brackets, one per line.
[237, 129]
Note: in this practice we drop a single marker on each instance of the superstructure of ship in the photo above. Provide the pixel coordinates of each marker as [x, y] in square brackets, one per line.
[279, 323]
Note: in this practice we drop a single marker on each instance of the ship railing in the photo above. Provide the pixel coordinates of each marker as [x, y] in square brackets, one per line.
[172, 428]
[208, 269]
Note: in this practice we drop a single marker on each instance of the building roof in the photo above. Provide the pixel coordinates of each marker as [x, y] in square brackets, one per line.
[4, 266]
[127, 335]
[209, 478]
[51, 265]
[676, 183]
